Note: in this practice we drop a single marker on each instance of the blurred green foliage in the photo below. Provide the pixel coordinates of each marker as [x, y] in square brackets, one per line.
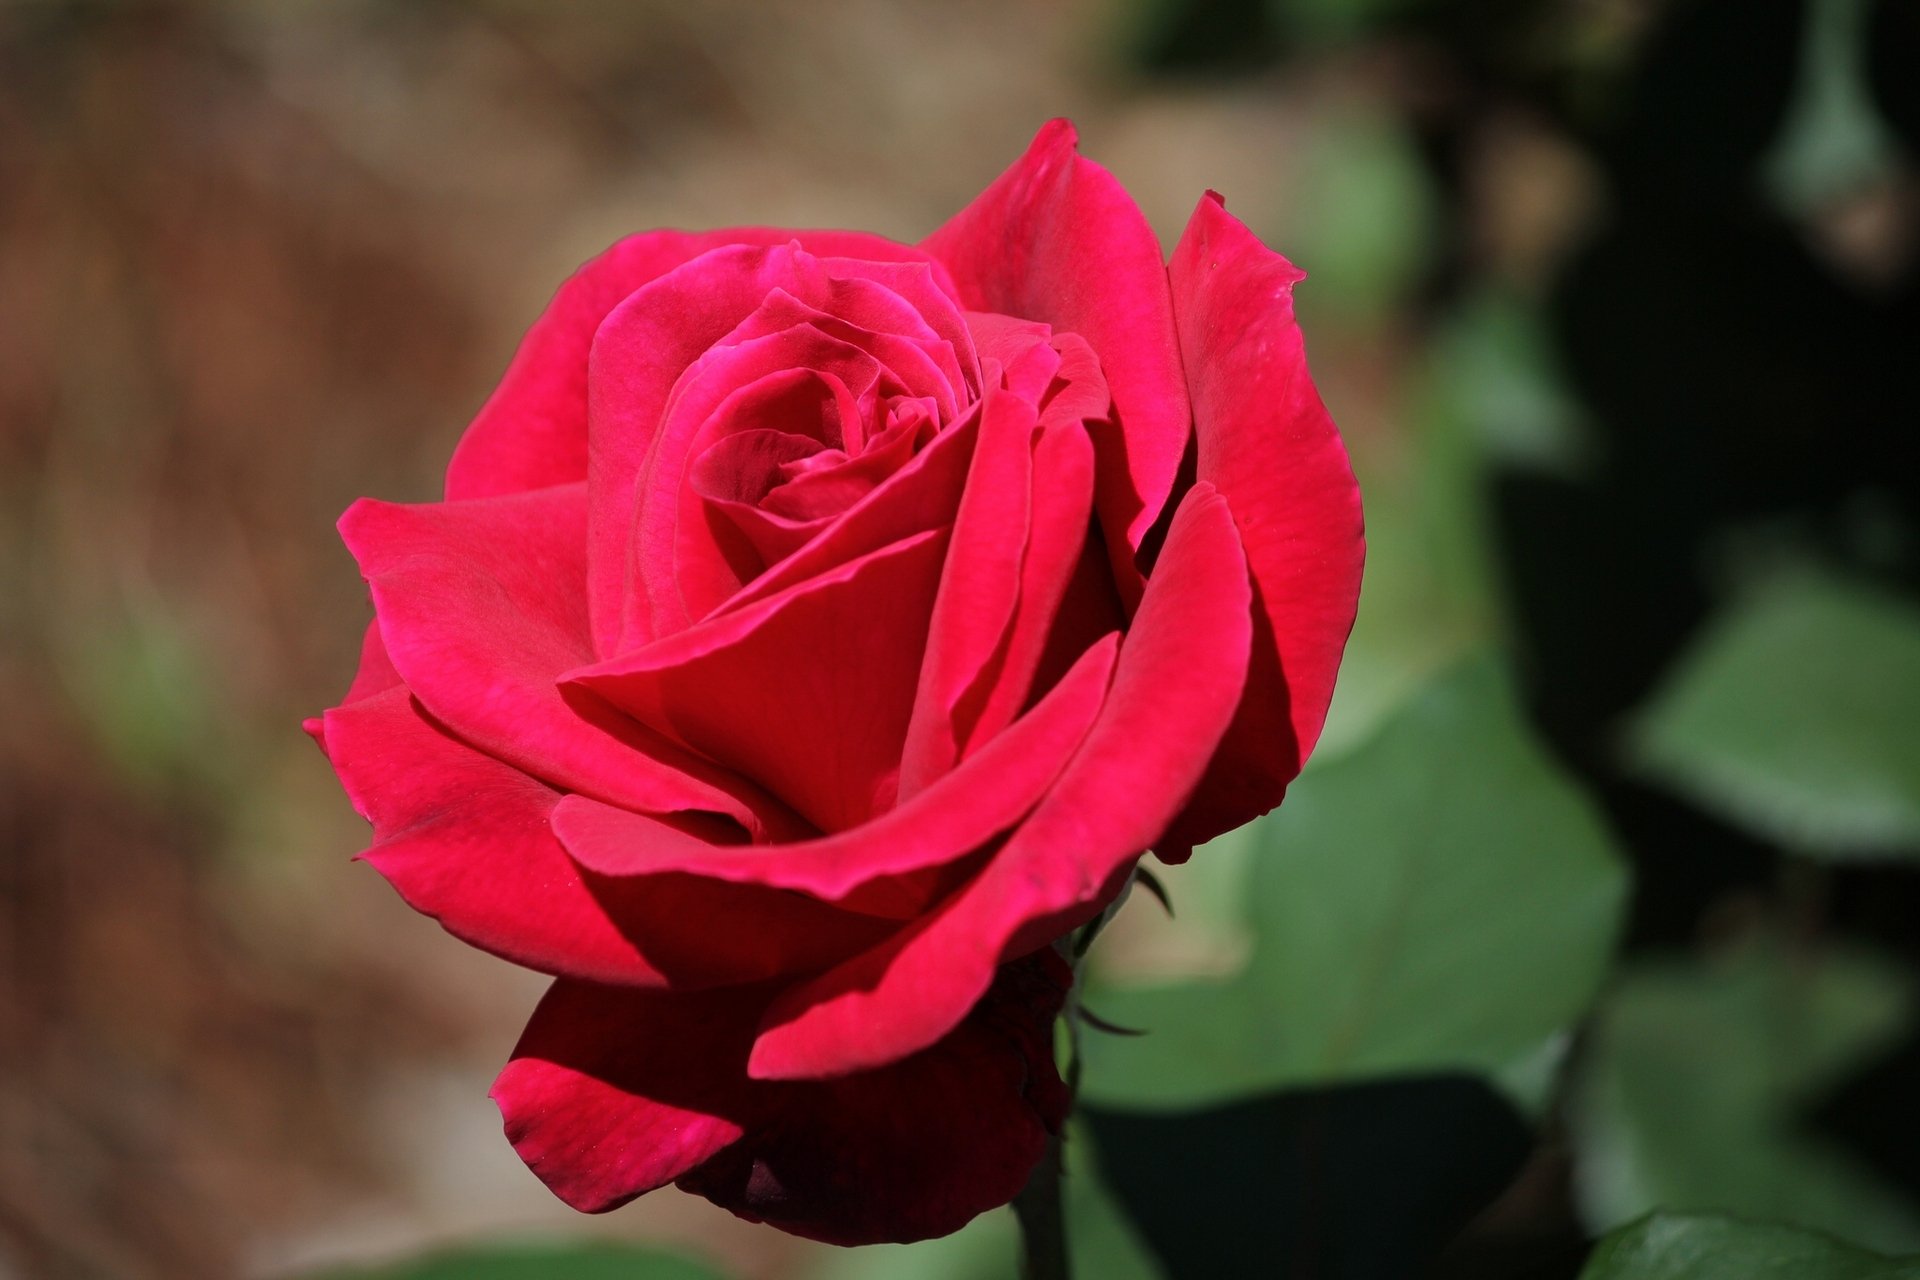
[1680, 1247]
[1797, 712]
[540, 1262]
[1694, 1090]
[1439, 899]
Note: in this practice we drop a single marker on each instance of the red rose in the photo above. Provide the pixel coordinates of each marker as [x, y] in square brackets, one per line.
[816, 628]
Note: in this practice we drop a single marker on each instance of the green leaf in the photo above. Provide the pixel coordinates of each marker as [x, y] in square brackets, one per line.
[1439, 899]
[1698, 1076]
[1670, 1246]
[539, 1262]
[1797, 715]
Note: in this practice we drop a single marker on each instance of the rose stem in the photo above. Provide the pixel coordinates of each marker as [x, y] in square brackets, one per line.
[1043, 1226]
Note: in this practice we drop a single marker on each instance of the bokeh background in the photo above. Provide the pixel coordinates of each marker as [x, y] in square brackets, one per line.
[1603, 893]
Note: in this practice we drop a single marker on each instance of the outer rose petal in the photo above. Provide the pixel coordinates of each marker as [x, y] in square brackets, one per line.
[1266, 443]
[532, 432]
[612, 1092]
[1057, 239]
[468, 840]
[464, 839]
[481, 605]
[1182, 666]
[375, 675]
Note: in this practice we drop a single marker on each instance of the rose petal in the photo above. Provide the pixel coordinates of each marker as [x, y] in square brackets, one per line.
[1057, 239]
[639, 355]
[1181, 670]
[929, 291]
[1057, 527]
[613, 1092]
[918, 1148]
[822, 487]
[467, 840]
[979, 585]
[481, 607]
[962, 811]
[868, 316]
[532, 432]
[1266, 442]
[374, 675]
[464, 839]
[920, 496]
[677, 570]
[807, 692]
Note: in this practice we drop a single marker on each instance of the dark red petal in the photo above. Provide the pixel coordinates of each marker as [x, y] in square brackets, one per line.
[376, 673]
[916, 1149]
[867, 315]
[1057, 239]
[1182, 667]
[1267, 444]
[481, 607]
[612, 1092]
[533, 431]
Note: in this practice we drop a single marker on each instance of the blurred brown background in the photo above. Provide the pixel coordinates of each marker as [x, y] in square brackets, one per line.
[256, 261]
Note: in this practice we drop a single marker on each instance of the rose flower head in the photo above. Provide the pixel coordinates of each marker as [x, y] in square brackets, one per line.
[815, 630]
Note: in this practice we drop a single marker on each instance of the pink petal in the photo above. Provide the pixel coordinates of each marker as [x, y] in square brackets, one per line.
[964, 810]
[1058, 240]
[807, 692]
[481, 607]
[1181, 670]
[614, 1092]
[533, 431]
[1267, 444]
